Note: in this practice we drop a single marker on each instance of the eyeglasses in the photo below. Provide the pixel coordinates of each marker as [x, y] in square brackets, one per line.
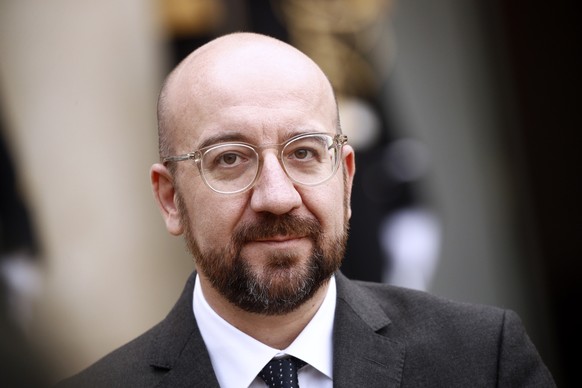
[228, 168]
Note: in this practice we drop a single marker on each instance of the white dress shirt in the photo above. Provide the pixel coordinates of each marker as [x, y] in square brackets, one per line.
[238, 358]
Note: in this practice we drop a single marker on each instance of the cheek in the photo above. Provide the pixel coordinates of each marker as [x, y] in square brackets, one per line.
[327, 205]
[214, 218]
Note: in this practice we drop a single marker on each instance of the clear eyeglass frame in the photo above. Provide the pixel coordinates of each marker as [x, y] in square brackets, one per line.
[335, 144]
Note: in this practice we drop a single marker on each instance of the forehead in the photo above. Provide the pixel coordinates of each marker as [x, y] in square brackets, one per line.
[258, 132]
[261, 91]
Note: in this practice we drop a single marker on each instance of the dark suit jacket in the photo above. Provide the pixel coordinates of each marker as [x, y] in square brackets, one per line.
[384, 336]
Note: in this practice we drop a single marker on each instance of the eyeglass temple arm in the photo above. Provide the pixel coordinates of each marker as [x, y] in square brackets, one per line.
[341, 139]
[179, 158]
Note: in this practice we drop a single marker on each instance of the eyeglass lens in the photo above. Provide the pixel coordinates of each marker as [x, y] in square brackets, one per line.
[307, 160]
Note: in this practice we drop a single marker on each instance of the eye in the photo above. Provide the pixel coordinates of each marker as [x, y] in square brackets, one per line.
[302, 153]
[229, 159]
[305, 150]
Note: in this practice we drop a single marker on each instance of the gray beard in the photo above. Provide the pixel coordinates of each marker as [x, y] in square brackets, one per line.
[287, 282]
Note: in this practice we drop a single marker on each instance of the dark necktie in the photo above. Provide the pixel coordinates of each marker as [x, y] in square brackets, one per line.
[282, 372]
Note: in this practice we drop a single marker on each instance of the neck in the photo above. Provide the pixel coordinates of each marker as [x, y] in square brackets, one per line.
[276, 331]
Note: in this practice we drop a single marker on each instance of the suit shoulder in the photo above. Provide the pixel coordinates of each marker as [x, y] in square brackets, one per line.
[414, 306]
[489, 344]
[146, 359]
[127, 366]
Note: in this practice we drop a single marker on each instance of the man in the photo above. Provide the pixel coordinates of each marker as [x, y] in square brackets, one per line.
[257, 176]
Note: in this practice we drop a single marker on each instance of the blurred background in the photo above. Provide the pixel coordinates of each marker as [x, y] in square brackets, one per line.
[463, 113]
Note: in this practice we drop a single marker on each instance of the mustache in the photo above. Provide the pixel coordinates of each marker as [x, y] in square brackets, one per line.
[270, 225]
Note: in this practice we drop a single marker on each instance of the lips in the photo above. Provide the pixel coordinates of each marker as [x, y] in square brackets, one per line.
[285, 243]
[279, 238]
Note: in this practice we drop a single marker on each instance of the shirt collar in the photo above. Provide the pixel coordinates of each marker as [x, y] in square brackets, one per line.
[226, 344]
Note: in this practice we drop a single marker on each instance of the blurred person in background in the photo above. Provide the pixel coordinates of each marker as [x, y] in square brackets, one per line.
[20, 365]
[257, 176]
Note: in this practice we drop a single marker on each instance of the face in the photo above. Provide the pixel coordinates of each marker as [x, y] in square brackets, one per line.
[269, 249]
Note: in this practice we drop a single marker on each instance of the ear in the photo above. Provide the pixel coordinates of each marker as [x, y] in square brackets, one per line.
[165, 195]
[349, 169]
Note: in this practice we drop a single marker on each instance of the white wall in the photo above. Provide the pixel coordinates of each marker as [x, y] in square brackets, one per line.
[79, 82]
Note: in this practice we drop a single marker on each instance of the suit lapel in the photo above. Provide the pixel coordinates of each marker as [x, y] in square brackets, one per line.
[178, 348]
[362, 355]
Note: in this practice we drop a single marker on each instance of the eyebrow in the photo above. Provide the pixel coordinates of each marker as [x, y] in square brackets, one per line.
[223, 138]
[240, 137]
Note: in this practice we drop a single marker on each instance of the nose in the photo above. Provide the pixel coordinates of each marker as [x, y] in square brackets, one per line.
[274, 192]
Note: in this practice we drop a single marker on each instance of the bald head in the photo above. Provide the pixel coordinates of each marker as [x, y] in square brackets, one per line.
[241, 69]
